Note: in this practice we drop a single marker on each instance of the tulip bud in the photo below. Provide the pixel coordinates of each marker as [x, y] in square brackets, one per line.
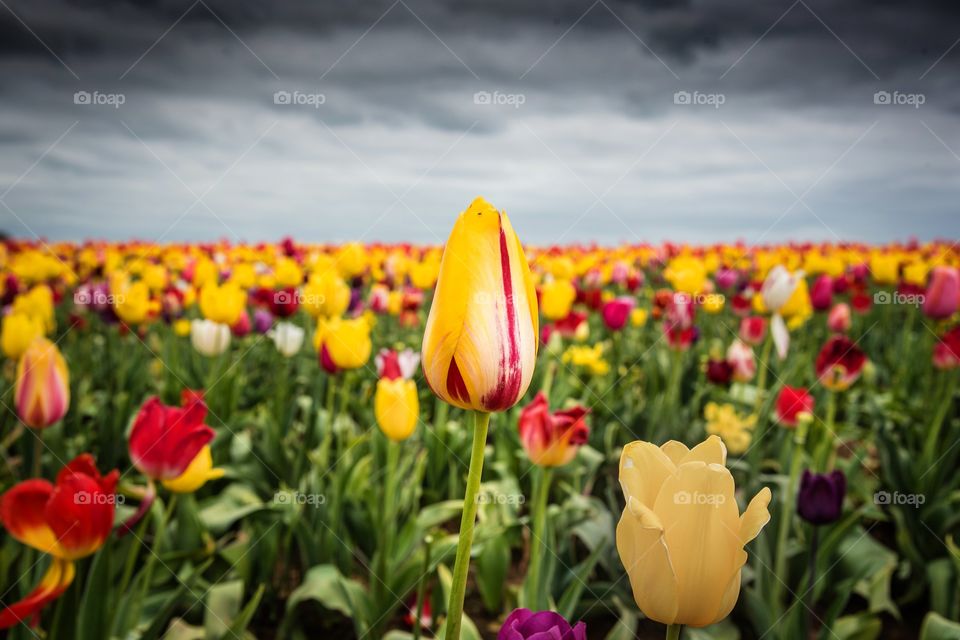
[343, 343]
[753, 329]
[616, 312]
[839, 319]
[396, 407]
[740, 357]
[43, 385]
[943, 293]
[552, 440]
[19, 331]
[820, 500]
[524, 624]
[556, 297]
[946, 352]
[791, 402]
[164, 440]
[480, 342]
[209, 338]
[778, 287]
[288, 338]
[821, 295]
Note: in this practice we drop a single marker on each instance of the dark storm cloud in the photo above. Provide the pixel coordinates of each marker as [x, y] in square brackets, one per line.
[597, 149]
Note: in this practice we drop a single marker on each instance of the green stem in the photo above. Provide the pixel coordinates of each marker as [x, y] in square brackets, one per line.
[387, 524]
[787, 510]
[827, 442]
[481, 421]
[673, 632]
[763, 367]
[933, 435]
[152, 558]
[548, 378]
[37, 453]
[538, 543]
[328, 431]
[422, 586]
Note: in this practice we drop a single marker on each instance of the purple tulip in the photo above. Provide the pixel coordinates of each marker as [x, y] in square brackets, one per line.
[523, 624]
[262, 320]
[820, 500]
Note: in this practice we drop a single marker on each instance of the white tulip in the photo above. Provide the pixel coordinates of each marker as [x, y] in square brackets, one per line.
[209, 338]
[778, 287]
[288, 338]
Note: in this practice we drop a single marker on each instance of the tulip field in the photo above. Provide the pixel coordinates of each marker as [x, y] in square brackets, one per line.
[485, 439]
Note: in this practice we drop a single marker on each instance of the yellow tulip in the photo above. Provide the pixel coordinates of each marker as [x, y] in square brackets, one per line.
[19, 330]
[222, 303]
[288, 273]
[181, 327]
[197, 474]
[346, 342]
[424, 274]
[325, 295]
[396, 407]
[38, 304]
[885, 268]
[132, 302]
[481, 337]
[681, 537]
[638, 317]
[686, 274]
[556, 298]
[352, 259]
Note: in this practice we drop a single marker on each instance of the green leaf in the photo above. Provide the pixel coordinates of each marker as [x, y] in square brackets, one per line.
[233, 503]
[468, 630]
[223, 602]
[94, 610]
[724, 630]
[240, 623]
[857, 627]
[492, 565]
[571, 595]
[326, 585]
[936, 627]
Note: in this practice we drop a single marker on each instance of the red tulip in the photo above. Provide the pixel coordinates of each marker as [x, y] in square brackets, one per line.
[791, 402]
[943, 293]
[719, 371]
[839, 363]
[68, 520]
[753, 329]
[861, 302]
[165, 440]
[616, 312]
[946, 353]
[821, 294]
[284, 302]
[551, 440]
[242, 326]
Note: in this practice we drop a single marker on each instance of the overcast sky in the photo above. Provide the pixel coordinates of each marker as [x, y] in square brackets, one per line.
[585, 120]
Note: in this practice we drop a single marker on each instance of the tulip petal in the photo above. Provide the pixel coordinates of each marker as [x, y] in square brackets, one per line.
[643, 469]
[755, 516]
[711, 451]
[781, 337]
[732, 592]
[23, 512]
[701, 523]
[643, 551]
[54, 582]
[675, 450]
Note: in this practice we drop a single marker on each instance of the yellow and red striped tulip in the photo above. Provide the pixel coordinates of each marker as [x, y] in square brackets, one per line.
[42, 391]
[481, 339]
